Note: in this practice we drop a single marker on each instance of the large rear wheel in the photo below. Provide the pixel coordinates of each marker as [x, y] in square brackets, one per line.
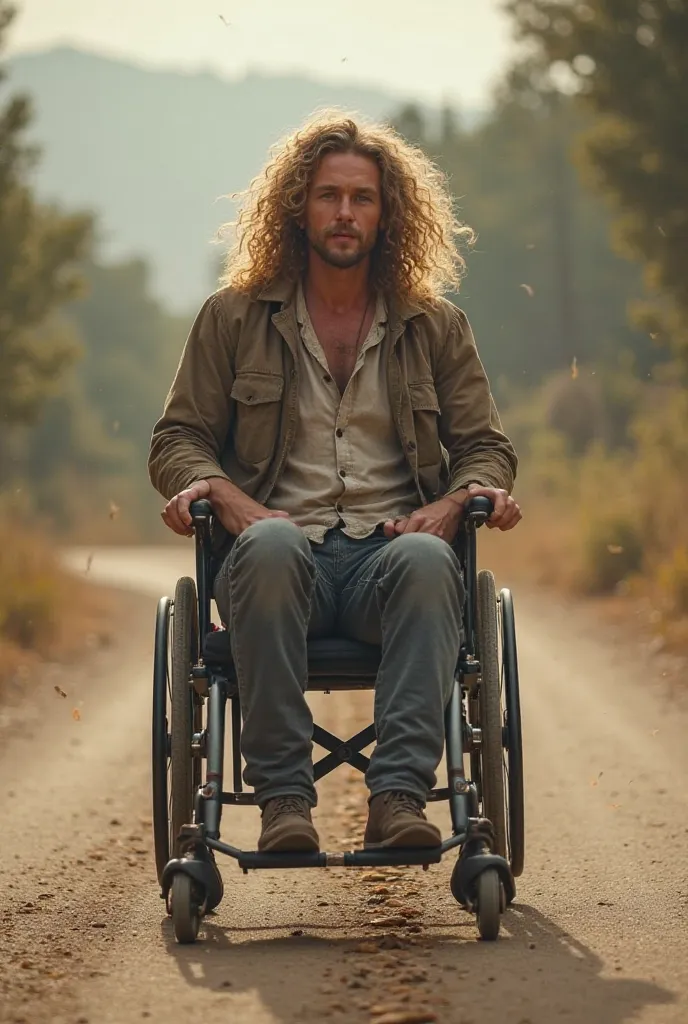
[185, 765]
[511, 704]
[490, 712]
[161, 744]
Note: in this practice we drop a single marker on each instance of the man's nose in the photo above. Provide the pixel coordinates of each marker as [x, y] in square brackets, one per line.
[345, 211]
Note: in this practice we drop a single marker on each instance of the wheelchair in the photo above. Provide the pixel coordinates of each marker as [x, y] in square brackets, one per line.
[195, 685]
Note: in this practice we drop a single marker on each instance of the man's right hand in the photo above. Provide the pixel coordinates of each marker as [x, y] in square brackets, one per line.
[235, 510]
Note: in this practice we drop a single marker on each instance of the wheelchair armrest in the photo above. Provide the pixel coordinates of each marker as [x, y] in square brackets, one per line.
[479, 509]
[201, 509]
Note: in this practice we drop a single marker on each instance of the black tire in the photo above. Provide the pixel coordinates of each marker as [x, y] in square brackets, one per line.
[489, 904]
[491, 748]
[514, 744]
[161, 736]
[186, 914]
[184, 767]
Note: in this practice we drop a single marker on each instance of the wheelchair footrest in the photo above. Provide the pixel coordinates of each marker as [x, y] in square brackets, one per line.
[377, 858]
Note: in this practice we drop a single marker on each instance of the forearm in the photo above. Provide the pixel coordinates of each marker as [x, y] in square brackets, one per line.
[189, 437]
[178, 460]
[492, 465]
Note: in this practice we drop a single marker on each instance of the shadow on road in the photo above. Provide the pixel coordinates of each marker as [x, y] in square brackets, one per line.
[534, 974]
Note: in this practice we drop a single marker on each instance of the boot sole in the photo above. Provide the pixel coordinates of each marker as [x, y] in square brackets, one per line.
[292, 842]
[412, 838]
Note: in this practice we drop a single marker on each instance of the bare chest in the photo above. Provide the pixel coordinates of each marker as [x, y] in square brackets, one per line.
[341, 338]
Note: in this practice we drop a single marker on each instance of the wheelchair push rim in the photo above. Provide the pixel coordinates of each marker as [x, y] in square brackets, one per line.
[498, 770]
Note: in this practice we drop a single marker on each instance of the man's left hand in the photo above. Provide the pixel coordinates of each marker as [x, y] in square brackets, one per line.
[442, 518]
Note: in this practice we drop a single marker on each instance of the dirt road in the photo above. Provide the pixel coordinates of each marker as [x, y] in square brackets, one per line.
[599, 934]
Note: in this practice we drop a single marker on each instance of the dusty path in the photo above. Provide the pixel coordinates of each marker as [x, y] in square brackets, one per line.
[599, 932]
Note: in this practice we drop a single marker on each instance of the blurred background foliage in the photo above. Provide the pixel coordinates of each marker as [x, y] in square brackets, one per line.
[575, 181]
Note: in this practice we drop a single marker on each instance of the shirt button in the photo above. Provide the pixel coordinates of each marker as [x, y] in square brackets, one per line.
[327, 379]
[411, 446]
[339, 432]
[342, 472]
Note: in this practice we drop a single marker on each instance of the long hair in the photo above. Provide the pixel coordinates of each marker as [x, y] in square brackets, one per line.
[416, 256]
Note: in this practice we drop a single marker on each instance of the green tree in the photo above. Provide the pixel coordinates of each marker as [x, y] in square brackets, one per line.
[92, 437]
[39, 253]
[543, 284]
[628, 62]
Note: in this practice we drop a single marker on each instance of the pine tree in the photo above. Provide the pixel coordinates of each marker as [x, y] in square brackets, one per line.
[628, 60]
[40, 249]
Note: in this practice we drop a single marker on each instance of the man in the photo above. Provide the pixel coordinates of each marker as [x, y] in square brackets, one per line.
[332, 407]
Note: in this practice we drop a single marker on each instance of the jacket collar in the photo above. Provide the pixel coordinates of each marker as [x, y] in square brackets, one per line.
[283, 291]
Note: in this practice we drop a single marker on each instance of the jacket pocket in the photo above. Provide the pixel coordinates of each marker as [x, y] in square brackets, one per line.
[258, 398]
[426, 411]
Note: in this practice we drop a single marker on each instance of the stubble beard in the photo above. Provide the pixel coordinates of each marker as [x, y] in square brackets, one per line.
[342, 261]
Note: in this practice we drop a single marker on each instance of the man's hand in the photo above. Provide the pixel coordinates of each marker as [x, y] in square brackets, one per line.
[235, 510]
[443, 518]
[507, 513]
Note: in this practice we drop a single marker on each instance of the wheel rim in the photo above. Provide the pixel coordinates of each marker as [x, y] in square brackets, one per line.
[513, 751]
[160, 737]
[505, 736]
[168, 719]
[185, 774]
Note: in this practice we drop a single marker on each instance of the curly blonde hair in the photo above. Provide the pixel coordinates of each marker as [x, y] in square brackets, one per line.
[417, 254]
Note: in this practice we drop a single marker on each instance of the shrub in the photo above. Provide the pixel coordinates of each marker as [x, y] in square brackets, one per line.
[672, 579]
[611, 550]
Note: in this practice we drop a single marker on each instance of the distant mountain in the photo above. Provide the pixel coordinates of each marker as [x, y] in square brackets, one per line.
[152, 151]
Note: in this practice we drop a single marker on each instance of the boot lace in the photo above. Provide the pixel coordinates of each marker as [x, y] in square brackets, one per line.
[405, 802]
[289, 805]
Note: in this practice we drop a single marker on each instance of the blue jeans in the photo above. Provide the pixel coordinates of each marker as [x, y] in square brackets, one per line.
[275, 589]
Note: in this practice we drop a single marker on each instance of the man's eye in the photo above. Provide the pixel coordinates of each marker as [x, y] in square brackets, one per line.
[364, 199]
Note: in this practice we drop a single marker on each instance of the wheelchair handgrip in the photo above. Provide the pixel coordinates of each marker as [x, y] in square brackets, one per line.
[479, 509]
[200, 509]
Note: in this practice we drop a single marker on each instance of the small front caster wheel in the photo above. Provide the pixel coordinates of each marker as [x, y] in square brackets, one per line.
[186, 912]
[489, 904]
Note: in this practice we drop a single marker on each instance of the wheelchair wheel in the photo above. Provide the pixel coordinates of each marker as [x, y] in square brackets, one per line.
[511, 703]
[186, 913]
[161, 736]
[490, 712]
[185, 767]
[488, 904]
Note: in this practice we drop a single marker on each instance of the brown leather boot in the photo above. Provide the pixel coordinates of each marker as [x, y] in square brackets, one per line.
[397, 819]
[287, 826]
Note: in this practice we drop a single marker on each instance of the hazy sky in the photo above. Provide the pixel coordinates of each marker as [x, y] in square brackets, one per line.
[432, 49]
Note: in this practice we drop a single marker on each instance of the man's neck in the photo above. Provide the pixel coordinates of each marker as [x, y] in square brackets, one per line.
[339, 291]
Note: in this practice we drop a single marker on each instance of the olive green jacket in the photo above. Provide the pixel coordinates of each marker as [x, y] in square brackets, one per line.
[234, 403]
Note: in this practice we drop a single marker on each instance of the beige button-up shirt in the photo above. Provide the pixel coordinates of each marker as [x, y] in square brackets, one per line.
[346, 466]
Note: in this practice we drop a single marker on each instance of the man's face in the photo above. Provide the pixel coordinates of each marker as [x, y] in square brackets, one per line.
[344, 209]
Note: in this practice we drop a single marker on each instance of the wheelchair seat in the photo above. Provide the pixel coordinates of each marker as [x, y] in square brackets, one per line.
[334, 663]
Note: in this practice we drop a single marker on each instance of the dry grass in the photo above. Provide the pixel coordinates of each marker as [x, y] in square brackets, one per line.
[608, 526]
[45, 614]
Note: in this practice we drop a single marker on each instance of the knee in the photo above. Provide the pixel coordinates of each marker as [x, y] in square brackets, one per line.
[270, 545]
[427, 563]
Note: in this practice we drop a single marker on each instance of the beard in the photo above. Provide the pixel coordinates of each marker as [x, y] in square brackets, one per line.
[341, 260]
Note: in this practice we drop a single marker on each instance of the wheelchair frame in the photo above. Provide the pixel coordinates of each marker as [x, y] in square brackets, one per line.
[482, 881]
